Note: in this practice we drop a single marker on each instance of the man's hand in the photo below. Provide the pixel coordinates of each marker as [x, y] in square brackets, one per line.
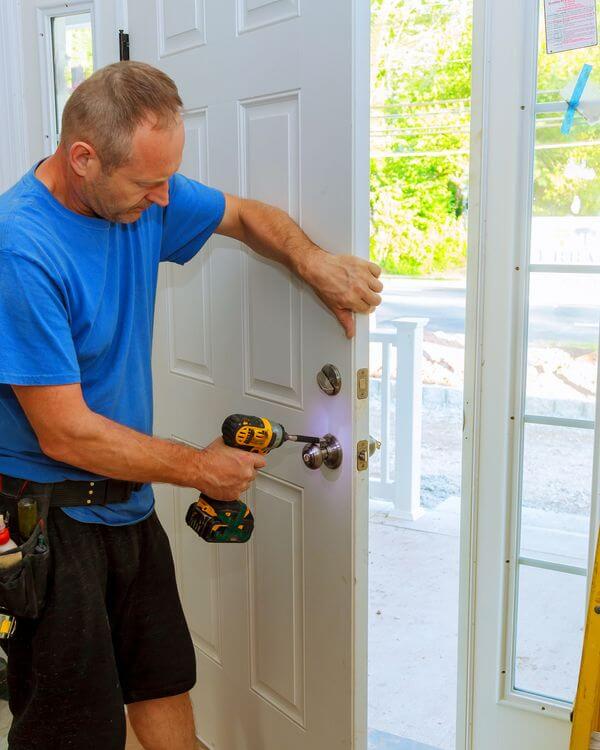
[346, 284]
[227, 472]
[70, 432]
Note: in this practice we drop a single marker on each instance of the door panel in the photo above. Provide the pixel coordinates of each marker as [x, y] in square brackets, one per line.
[275, 111]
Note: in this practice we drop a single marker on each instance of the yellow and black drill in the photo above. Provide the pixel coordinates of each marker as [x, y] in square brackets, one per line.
[231, 520]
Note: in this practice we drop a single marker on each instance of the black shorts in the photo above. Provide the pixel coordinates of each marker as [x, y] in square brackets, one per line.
[112, 632]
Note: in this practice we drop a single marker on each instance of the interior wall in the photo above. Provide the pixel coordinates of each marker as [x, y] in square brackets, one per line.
[14, 159]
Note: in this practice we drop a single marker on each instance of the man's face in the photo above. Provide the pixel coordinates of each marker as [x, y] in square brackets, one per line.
[127, 191]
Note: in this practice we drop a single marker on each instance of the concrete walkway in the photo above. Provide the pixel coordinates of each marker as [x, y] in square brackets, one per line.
[413, 617]
[413, 630]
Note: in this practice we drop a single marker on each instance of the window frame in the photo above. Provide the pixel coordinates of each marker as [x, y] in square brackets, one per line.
[508, 694]
[45, 16]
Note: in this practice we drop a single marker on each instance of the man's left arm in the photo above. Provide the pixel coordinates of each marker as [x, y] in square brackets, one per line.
[345, 283]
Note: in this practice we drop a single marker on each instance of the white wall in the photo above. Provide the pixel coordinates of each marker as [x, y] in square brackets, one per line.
[14, 159]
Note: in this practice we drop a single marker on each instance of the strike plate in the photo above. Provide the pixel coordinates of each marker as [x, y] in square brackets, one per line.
[362, 455]
[362, 383]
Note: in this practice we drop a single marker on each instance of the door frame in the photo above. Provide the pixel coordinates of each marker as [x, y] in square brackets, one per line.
[501, 184]
[472, 396]
[14, 152]
[361, 77]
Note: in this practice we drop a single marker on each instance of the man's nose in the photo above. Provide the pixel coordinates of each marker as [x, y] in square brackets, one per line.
[160, 194]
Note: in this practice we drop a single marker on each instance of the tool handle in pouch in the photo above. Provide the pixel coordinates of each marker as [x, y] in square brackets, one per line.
[23, 585]
[220, 520]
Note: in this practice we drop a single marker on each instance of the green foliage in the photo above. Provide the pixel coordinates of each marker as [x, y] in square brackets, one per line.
[417, 212]
[421, 71]
[421, 87]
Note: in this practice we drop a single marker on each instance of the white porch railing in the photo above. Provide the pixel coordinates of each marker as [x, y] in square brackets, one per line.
[401, 409]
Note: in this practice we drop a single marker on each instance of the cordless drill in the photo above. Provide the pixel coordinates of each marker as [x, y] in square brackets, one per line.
[231, 520]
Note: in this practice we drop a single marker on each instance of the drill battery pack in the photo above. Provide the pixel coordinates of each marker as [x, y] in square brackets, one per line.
[220, 521]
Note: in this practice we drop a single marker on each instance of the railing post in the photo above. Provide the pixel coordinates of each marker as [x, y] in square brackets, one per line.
[409, 393]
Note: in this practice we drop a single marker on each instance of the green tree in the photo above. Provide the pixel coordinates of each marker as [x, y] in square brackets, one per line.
[420, 83]
[421, 70]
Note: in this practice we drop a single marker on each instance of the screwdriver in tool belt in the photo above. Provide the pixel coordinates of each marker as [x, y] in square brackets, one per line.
[231, 520]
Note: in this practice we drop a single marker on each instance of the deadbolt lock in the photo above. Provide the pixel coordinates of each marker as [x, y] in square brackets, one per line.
[329, 380]
[364, 450]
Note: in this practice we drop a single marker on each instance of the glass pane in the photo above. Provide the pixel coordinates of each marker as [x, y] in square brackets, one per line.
[73, 59]
[555, 71]
[566, 196]
[557, 481]
[550, 621]
[562, 350]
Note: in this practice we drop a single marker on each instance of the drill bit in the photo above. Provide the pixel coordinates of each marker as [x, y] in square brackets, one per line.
[301, 438]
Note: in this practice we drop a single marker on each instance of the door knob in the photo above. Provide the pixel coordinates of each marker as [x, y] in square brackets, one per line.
[374, 445]
[328, 452]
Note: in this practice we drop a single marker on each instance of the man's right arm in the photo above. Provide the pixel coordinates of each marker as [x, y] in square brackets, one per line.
[70, 432]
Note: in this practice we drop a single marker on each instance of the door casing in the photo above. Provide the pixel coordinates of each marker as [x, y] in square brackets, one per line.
[490, 714]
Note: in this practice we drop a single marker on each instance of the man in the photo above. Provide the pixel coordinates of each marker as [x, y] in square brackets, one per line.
[81, 237]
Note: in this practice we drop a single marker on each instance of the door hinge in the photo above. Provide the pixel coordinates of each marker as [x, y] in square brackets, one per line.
[362, 383]
[123, 45]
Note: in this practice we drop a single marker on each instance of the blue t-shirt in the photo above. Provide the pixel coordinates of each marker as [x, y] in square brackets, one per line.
[77, 306]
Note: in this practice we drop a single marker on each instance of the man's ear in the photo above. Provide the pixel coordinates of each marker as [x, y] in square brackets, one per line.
[81, 157]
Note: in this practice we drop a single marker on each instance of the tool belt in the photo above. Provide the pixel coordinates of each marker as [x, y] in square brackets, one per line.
[23, 584]
[70, 494]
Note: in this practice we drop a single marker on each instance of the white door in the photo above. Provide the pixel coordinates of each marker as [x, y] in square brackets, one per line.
[533, 329]
[276, 109]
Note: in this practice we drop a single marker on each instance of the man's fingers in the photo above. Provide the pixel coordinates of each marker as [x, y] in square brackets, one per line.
[375, 269]
[372, 299]
[375, 284]
[259, 461]
[361, 305]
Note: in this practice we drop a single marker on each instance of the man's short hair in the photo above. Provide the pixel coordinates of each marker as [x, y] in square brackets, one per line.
[105, 109]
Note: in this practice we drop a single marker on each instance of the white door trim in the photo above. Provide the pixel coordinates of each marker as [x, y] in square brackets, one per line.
[478, 328]
[473, 359]
[14, 154]
[360, 234]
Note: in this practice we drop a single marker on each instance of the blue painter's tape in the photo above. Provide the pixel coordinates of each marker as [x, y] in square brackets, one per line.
[575, 99]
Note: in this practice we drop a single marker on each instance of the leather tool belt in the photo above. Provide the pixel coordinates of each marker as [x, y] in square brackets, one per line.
[69, 493]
